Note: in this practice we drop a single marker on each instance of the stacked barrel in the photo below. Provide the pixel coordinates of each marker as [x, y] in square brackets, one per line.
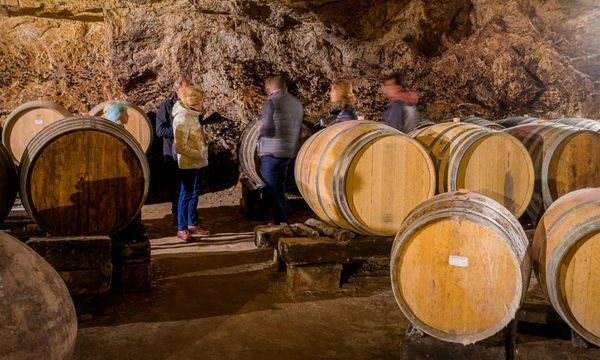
[77, 175]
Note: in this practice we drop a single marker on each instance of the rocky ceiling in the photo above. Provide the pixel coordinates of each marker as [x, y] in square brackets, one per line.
[492, 58]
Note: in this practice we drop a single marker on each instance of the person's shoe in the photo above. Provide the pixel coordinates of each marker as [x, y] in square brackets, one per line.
[199, 231]
[184, 235]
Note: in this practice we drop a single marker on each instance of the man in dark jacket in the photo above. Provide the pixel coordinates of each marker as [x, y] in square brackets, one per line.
[279, 141]
[401, 113]
[164, 130]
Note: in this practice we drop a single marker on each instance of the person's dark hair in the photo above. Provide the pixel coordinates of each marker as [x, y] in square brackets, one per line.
[277, 81]
[396, 77]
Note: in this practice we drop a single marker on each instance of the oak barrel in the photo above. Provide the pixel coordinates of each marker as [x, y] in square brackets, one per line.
[460, 267]
[593, 125]
[24, 122]
[138, 123]
[9, 183]
[37, 314]
[482, 122]
[566, 254]
[364, 176]
[248, 158]
[482, 160]
[564, 158]
[518, 120]
[84, 176]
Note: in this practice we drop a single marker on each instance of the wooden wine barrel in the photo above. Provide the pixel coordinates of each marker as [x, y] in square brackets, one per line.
[588, 124]
[26, 121]
[37, 314]
[248, 158]
[515, 121]
[478, 159]
[138, 123]
[564, 159]
[9, 183]
[566, 255]
[84, 176]
[460, 267]
[364, 176]
[482, 122]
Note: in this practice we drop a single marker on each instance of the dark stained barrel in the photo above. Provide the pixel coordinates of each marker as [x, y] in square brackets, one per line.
[588, 124]
[138, 123]
[248, 158]
[515, 121]
[8, 183]
[37, 315]
[24, 122]
[482, 122]
[84, 176]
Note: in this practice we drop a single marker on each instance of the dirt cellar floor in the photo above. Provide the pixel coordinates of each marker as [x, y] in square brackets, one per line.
[221, 298]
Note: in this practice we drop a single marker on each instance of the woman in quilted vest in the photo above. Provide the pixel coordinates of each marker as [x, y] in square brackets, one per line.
[192, 155]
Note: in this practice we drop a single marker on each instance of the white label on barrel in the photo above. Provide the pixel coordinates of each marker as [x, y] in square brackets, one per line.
[459, 261]
[38, 121]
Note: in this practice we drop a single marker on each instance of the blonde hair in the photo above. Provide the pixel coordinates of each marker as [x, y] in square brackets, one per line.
[191, 96]
[344, 94]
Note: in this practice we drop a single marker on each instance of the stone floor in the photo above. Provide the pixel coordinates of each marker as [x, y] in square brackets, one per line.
[221, 298]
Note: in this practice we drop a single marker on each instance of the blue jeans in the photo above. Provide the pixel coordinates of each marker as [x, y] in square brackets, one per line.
[188, 198]
[274, 172]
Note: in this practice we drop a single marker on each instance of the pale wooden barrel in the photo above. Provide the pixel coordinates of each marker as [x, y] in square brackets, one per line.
[84, 176]
[247, 156]
[8, 183]
[37, 315]
[482, 122]
[460, 267]
[138, 123]
[566, 254]
[482, 160]
[364, 176]
[518, 120]
[588, 124]
[565, 159]
[24, 122]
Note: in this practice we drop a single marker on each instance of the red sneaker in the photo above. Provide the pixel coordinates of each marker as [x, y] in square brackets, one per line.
[198, 231]
[184, 235]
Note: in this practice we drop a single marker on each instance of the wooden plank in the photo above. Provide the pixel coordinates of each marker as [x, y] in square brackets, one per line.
[305, 251]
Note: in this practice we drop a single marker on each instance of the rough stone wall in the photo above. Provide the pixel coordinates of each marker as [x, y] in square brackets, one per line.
[491, 58]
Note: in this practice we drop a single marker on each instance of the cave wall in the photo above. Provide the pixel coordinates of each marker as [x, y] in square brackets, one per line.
[492, 58]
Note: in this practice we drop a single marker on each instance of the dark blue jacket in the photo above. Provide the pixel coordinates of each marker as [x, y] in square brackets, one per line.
[164, 124]
[345, 114]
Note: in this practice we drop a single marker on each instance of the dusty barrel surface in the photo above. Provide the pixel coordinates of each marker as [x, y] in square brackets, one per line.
[565, 159]
[37, 315]
[23, 123]
[482, 160]
[364, 176]
[248, 158]
[8, 183]
[516, 121]
[482, 122]
[84, 176]
[566, 254]
[460, 267]
[593, 125]
[138, 124]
